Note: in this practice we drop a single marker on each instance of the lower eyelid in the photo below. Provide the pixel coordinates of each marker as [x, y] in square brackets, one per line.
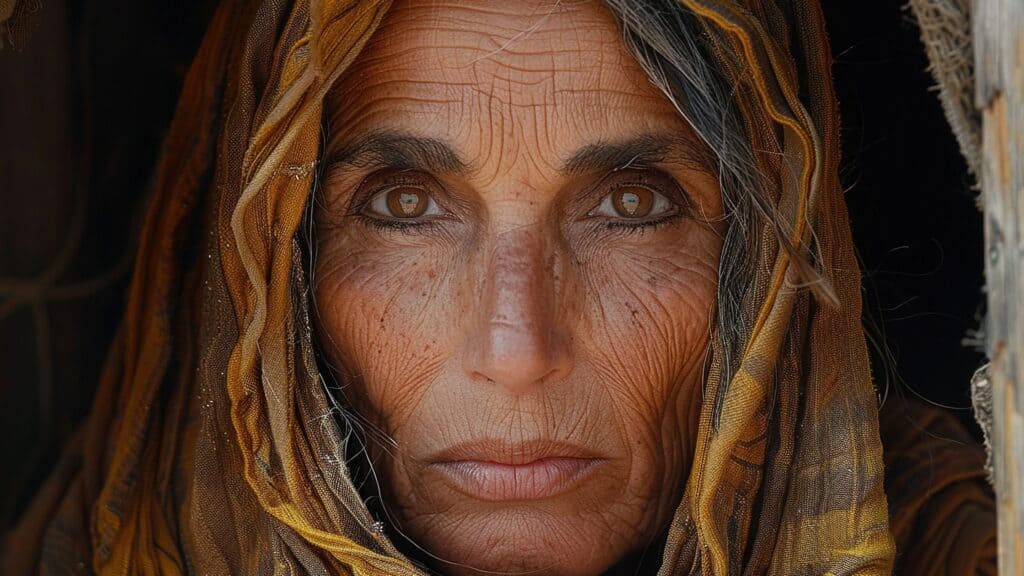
[396, 225]
[662, 219]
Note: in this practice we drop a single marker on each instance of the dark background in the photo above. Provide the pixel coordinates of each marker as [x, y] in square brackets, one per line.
[913, 209]
[86, 100]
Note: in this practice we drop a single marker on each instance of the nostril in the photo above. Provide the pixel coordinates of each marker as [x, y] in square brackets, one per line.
[480, 377]
[550, 377]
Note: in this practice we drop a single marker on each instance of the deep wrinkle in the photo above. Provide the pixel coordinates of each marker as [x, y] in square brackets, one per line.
[522, 313]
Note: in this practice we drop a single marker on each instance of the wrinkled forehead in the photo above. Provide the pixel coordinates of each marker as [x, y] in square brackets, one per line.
[520, 75]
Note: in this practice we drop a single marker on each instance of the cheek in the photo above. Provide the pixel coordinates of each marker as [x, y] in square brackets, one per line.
[649, 323]
[382, 318]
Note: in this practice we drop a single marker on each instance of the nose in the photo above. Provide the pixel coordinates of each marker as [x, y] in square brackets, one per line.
[516, 340]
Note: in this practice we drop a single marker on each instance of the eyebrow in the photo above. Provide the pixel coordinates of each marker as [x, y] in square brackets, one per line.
[637, 152]
[410, 152]
[401, 151]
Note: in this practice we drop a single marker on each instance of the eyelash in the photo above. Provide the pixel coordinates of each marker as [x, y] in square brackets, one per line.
[642, 227]
[418, 226]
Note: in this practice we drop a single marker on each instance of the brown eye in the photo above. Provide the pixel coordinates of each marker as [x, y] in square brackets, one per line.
[403, 196]
[632, 201]
[407, 202]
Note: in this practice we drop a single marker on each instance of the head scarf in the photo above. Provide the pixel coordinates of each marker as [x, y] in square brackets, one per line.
[212, 449]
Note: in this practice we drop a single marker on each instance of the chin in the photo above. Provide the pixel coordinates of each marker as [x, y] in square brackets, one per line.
[521, 539]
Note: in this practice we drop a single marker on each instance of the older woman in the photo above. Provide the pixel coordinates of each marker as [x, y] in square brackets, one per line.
[518, 287]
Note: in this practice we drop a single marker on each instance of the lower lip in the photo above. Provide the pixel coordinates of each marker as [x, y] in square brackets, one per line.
[496, 482]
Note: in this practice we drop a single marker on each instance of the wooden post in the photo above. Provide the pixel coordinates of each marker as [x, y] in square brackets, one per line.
[998, 33]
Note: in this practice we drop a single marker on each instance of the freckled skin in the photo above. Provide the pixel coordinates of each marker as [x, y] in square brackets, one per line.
[517, 316]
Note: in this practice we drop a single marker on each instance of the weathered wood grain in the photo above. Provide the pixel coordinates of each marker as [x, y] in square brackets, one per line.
[998, 32]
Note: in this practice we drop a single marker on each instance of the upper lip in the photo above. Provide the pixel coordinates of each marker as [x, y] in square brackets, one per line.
[502, 451]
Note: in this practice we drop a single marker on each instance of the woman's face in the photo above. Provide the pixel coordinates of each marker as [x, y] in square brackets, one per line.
[516, 274]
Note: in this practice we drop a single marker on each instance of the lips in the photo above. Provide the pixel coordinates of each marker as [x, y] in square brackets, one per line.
[494, 470]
